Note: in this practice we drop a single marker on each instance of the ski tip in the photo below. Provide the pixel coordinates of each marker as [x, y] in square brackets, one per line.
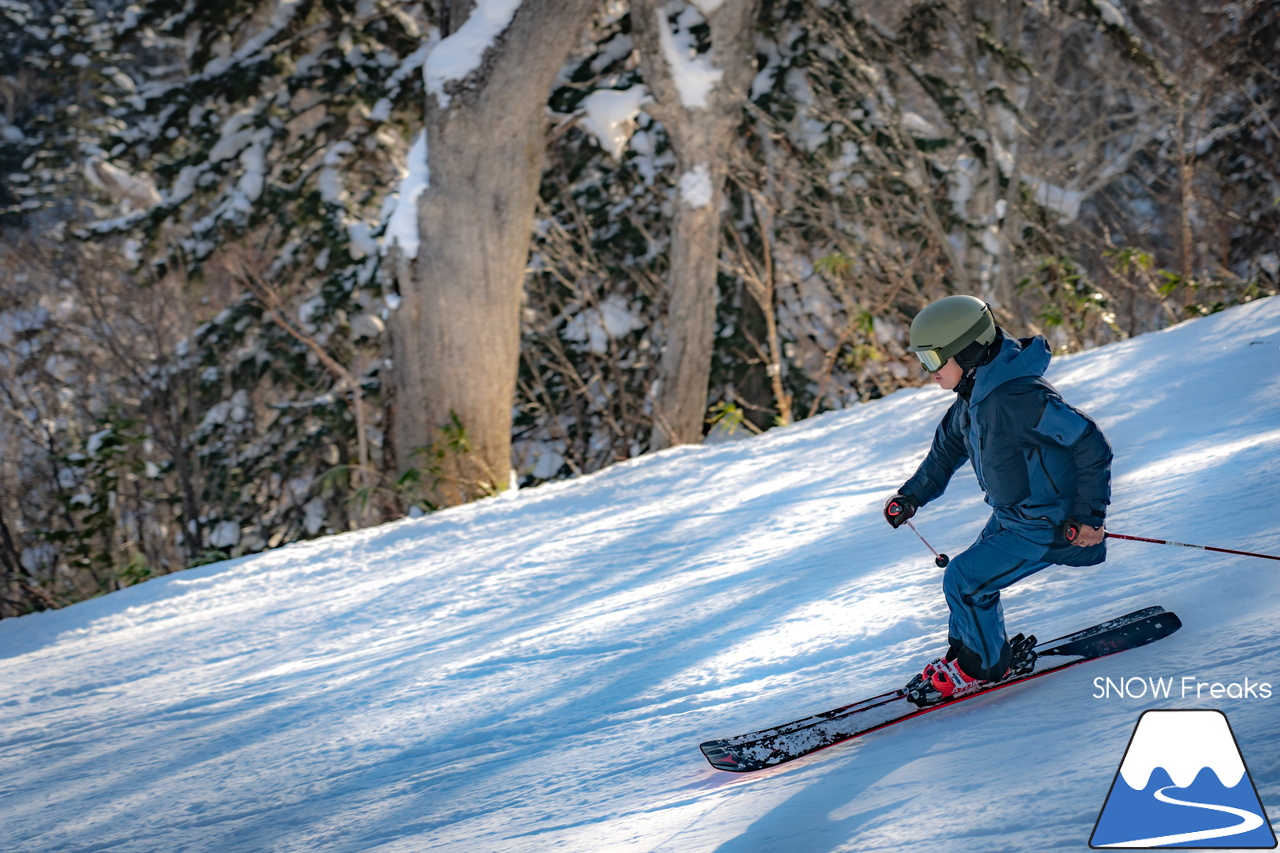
[1165, 622]
[721, 758]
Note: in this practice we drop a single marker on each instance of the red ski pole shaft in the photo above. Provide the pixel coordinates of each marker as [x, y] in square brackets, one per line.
[1185, 545]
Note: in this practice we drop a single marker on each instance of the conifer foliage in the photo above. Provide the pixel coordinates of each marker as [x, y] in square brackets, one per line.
[238, 170]
[201, 203]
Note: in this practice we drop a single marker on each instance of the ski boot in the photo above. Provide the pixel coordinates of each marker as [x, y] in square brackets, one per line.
[943, 679]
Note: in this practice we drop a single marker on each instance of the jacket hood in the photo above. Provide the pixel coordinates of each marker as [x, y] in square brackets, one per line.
[1015, 359]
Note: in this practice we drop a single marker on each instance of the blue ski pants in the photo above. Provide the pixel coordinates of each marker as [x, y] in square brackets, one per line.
[972, 584]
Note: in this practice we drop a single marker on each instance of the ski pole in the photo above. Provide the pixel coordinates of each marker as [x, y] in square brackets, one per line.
[1073, 530]
[1185, 545]
[940, 560]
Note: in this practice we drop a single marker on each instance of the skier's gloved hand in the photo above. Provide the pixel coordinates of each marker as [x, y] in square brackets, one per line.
[899, 508]
[1082, 534]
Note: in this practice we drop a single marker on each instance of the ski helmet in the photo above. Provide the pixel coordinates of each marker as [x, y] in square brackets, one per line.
[949, 325]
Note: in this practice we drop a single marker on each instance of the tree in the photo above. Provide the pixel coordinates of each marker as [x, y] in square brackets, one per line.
[698, 61]
[263, 131]
[196, 214]
[456, 333]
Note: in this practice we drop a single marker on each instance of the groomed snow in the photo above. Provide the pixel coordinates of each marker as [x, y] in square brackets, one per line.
[535, 671]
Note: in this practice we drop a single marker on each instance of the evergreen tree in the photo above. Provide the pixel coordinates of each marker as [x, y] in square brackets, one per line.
[198, 201]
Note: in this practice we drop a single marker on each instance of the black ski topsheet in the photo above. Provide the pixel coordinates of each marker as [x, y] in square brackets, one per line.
[777, 745]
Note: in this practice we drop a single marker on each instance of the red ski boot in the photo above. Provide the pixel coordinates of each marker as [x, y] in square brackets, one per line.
[943, 679]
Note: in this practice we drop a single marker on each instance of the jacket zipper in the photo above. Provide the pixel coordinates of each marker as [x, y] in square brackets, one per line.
[1045, 468]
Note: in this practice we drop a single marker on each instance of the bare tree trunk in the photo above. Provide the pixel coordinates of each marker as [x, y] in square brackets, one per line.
[456, 335]
[700, 125]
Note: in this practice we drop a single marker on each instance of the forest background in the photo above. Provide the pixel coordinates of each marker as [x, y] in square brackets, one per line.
[273, 269]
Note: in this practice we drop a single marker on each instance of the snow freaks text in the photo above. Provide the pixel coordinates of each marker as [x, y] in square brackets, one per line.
[1184, 687]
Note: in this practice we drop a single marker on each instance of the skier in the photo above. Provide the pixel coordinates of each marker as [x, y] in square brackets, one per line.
[1042, 464]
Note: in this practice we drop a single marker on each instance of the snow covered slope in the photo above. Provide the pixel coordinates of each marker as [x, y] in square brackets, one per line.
[535, 672]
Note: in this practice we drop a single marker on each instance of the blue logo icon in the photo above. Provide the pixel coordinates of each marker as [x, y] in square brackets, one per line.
[1183, 783]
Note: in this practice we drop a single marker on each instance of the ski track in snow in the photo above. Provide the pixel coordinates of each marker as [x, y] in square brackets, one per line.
[536, 671]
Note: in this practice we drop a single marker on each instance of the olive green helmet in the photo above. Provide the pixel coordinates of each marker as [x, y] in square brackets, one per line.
[949, 325]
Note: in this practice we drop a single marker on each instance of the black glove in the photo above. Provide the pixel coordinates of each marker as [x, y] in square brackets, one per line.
[899, 508]
[1070, 530]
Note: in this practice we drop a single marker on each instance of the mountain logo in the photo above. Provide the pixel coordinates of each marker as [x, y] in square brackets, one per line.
[1182, 783]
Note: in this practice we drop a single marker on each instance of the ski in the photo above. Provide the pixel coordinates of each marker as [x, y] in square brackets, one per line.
[777, 745]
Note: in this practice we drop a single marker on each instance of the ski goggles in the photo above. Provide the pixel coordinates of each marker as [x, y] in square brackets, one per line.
[931, 359]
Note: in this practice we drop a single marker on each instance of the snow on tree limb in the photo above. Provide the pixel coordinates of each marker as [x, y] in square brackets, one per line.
[693, 73]
[462, 51]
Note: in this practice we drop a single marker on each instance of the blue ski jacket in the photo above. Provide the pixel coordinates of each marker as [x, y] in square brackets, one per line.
[1039, 461]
